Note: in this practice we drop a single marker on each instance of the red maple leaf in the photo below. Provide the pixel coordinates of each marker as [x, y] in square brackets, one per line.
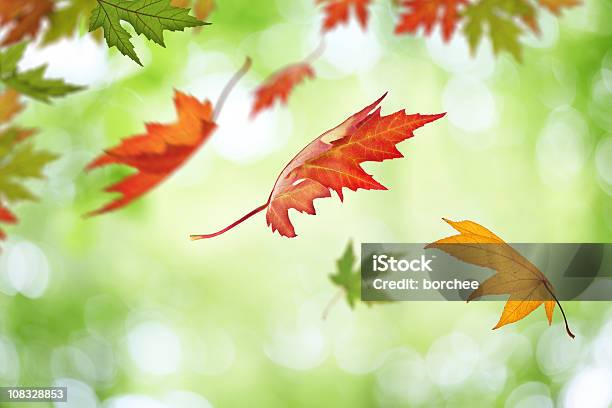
[337, 12]
[23, 18]
[6, 217]
[333, 162]
[428, 13]
[159, 152]
[280, 85]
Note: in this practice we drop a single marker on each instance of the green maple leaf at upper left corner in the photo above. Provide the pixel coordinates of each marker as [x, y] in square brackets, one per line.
[348, 277]
[148, 17]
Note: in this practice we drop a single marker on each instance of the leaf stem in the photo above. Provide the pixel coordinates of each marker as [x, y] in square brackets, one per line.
[230, 85]
[316, 53]
[232, 225]
[332, 302]
[567, 329]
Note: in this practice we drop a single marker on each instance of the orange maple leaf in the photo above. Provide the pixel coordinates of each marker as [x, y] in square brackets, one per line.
[6, 217]
[159, 152]
[23, 18]
[556, 6]
[332, 162]
[280, 85]
[10, 105]
[428, 13]
[514, 274]
[337, 12]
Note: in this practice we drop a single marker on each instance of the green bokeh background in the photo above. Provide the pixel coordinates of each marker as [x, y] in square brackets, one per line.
[129, 313]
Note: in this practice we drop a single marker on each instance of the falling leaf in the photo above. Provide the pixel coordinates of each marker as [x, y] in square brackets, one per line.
[31, 82]
[556, 6]
[349, 279]
[348, 276]
[332, 162]
[159, 152]
[147, 17]
[22, 18]
[280, 85]
[427, 14]
[338, 12]
[499, 19]
[514, 274]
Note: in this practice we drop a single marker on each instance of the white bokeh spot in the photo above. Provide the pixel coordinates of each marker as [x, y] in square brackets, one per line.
[562, 147]
[24, 269]
[155, 348]
[470, 104]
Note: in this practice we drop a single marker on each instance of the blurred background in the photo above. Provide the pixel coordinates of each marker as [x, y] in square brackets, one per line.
[128, 313]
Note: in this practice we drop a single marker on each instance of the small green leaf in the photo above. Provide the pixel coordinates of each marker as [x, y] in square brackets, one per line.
[148, 17]
[348, 276]
[32, 82]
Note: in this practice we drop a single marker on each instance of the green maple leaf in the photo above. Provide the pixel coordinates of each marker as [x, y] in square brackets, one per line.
[22, 163]
[27, 163]
[500, 20]
[148, 17]
[348, 276]
[32, 82]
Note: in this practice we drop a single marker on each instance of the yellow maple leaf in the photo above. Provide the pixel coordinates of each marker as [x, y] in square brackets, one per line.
[514, 274]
